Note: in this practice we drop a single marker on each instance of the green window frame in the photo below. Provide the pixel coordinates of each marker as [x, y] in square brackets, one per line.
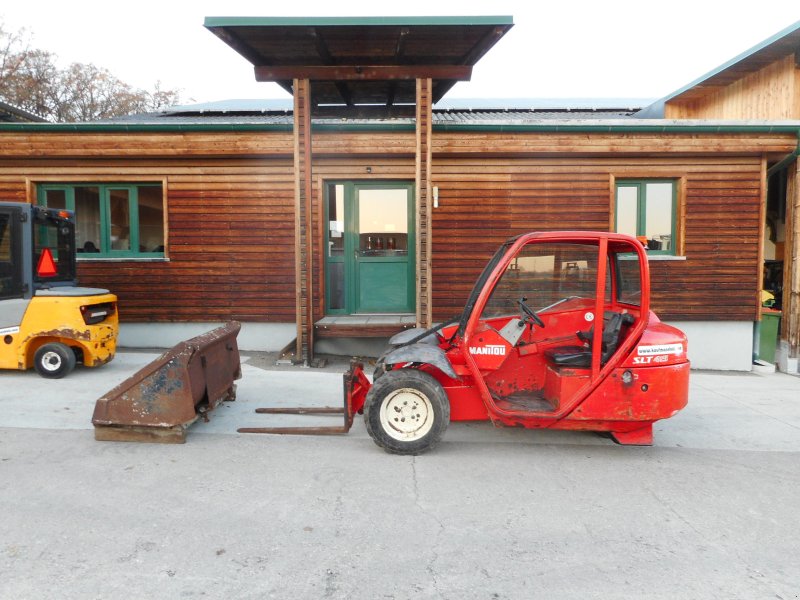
[648, 210]
[117, 226]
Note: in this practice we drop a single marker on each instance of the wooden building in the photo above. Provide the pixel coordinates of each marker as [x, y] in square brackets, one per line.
[364, 209]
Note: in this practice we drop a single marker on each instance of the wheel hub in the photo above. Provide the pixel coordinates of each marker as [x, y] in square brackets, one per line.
[51, 361]
[407, 414]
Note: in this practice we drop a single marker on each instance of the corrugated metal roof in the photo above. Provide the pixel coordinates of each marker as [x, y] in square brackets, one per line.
[13, 114]
[246, 112]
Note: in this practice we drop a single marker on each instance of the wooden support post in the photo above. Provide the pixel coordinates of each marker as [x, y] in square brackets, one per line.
[790, 330]
[304, 287]
[762, 227]
[424, 203]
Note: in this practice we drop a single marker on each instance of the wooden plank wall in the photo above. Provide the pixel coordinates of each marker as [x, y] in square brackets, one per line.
[231, 215]
[231, 237]
[718, 280]
[770, 93]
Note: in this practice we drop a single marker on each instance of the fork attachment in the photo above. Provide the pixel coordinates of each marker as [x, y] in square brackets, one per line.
[356, 386]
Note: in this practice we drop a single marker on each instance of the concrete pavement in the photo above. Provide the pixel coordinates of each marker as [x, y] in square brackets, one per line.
[711, 511]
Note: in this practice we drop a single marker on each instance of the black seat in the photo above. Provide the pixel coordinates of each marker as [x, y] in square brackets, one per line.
[581, 356]
[570, 356]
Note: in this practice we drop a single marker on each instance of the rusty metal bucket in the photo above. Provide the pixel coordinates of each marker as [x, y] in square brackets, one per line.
[161, 400]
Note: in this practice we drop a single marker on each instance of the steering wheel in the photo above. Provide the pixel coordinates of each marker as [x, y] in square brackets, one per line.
[528, 313]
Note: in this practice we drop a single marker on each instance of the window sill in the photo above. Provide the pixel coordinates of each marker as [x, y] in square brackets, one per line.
[664, 257]
[87, 259]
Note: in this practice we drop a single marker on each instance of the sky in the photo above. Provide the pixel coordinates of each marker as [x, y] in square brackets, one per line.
[577, 49]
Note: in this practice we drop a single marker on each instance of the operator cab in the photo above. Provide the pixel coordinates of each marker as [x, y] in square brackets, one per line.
[552, 317]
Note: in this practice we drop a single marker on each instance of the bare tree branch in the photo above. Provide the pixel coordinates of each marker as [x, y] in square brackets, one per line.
[31, 80]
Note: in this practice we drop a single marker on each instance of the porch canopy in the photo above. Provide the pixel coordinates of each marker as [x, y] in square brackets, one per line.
[362, 60]
[357, 65]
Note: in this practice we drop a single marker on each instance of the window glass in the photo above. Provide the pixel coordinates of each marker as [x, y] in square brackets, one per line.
[54, 235]
[119, 203]
[383, 221]
[658, 211]
[646, 210]
[335, 220]
[336, 233]
[56, 198]
[10, 279]
[544, 274]
[629, 288]
[5, 237]
[627, 209]
[151, 218]
[87, 218]
[112, 219]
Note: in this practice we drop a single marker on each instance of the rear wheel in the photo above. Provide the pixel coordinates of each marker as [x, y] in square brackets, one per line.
[406, 412]
[54, 360]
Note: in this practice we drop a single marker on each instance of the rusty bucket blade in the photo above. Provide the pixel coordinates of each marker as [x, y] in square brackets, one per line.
[161, 400]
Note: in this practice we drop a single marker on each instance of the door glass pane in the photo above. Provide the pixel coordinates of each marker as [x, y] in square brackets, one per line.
[335, 220]
[87, 219]
[658, 214]
[119, 205]
[336, 267]
[629, 280]
[55, 198]
[626, 209]
[336, 285]
[383, 222]
[151, 219]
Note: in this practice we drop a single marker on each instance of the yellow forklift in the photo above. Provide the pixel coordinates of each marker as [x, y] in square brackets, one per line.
[46, 321]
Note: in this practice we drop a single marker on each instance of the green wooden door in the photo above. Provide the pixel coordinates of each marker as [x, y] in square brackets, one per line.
[370, 263]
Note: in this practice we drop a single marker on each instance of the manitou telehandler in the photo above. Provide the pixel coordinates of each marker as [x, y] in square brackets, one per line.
[46, 320]
[557, 333]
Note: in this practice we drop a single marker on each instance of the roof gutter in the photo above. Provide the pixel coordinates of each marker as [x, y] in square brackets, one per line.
[620, 128]
[578, 127]
[786, 160]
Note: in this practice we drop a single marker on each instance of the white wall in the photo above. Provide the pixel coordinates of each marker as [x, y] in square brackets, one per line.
[719, 345]
[264, 337]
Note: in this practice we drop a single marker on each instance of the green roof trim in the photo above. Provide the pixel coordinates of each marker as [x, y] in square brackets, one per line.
[657, 108]
[746, 54]
[211, 22]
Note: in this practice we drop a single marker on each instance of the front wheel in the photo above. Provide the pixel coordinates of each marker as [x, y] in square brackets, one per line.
[406, 412]
[54, 360]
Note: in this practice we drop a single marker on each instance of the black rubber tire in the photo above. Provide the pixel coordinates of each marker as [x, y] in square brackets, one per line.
[54, 360]
[417, 383]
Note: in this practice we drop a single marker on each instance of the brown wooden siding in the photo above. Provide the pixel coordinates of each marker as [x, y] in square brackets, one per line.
[717, 281]
[231, 236]
[115, 145]
[769, 93]
[231, 218]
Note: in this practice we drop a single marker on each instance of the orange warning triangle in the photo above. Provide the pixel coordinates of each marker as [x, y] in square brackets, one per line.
[46, 266]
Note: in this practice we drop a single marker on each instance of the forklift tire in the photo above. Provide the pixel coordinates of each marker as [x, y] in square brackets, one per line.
[406, 412]
[54, 360]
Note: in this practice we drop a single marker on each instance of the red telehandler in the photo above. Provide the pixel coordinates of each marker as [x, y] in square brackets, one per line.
[557, 333]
